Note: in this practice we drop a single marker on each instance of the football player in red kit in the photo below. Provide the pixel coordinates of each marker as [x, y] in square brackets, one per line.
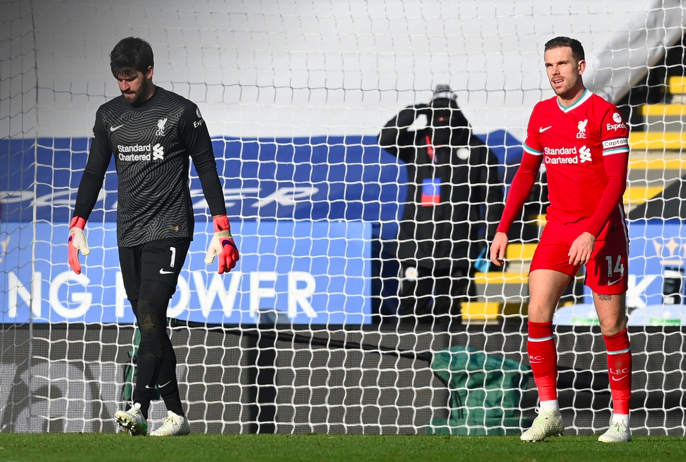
[583, 141]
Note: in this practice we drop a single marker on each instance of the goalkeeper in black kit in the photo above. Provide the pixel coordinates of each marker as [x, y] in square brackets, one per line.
[152, 133]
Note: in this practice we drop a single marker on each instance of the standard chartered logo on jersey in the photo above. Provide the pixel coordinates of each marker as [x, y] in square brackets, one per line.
[140, 152]
[563, 156]
[556, 156]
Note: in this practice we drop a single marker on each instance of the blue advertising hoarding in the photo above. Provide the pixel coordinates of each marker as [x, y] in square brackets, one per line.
[312, 178]
[309, 272]
[656, 246]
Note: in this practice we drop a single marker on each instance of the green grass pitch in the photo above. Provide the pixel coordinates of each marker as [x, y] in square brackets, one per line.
[284, 448]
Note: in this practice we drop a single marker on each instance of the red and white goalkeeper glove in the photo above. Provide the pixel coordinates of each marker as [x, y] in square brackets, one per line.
[222, 245]
[77, 243]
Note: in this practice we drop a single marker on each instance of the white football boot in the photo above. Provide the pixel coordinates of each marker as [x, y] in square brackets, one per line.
[617, 433]
[174, 425]
[132, 420]
[545, 425]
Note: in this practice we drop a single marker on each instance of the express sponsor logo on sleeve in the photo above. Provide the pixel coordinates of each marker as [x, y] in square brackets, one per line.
[619, 122]
[198, 122]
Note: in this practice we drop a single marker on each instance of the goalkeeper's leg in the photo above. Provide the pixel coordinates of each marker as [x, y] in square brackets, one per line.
[150, 274]
[156, 357]
[157, 360]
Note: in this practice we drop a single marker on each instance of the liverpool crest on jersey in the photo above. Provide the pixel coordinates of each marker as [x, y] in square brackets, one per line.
[160, 126]
[582, 129]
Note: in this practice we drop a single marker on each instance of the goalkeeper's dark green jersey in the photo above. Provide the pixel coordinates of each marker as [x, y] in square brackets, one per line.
[152, 143]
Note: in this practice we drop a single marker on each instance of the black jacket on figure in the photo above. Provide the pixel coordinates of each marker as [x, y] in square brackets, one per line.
[445, 234]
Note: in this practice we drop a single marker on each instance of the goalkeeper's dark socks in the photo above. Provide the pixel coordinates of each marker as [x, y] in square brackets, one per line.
[143, 397]
[619, 369]
[166, 381]
[543, 359]
[170, 395]
[145, 369]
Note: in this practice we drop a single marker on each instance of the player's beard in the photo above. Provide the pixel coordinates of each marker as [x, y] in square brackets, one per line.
[140, 95]
[567, 89]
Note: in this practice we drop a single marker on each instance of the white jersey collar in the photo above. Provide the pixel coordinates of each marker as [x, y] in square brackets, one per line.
[587, 94]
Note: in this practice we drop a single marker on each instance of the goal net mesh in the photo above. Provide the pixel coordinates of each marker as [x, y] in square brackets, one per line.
[307, 334]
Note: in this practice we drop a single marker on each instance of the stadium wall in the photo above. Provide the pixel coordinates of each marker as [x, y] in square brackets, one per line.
[314, 68]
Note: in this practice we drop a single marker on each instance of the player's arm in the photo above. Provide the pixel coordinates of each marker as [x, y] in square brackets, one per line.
[615, 161]
[521, 186]
[91, 181]
[616, 168]
[523, 182]
[395, 133]
[196, 138]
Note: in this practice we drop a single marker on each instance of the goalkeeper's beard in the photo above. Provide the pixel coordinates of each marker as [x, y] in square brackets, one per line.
[136, 97]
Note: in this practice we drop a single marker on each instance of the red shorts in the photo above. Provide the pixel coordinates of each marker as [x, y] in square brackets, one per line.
[607, 272]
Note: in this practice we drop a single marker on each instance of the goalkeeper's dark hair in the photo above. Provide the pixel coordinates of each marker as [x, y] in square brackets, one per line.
[130, 55]
[575, 45]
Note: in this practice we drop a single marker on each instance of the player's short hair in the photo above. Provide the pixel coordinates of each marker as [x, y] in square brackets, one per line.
[130, 55]
[575, 45]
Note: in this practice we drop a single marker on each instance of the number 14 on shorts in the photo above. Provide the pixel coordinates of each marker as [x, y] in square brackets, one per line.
[614, 266]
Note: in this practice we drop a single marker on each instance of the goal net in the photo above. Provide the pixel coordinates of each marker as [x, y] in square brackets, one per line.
[308, 333]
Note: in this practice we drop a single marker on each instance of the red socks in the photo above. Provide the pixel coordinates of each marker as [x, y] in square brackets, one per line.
[543, 359]
[619, 369]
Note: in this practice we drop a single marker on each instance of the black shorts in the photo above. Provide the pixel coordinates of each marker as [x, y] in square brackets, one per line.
[160, 260]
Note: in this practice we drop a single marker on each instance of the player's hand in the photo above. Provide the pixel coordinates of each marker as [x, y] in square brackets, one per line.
[77, 243]
[581, 250]
[498, 248]
[222, 245]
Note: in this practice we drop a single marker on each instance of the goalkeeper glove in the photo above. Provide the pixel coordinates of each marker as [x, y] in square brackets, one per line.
[77, 242]
[222, 244]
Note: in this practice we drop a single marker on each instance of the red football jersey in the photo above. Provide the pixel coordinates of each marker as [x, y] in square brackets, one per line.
[573, 141]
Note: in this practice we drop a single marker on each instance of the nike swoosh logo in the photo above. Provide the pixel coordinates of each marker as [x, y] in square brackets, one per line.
[162, 386]
[611, 283]
[149, 387]
[541, 130]
[166, 272]
[617, 379]
[112, 129]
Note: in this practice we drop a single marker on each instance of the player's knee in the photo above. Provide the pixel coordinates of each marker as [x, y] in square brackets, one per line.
[541, 312]
[152, 326]
[610, 327]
